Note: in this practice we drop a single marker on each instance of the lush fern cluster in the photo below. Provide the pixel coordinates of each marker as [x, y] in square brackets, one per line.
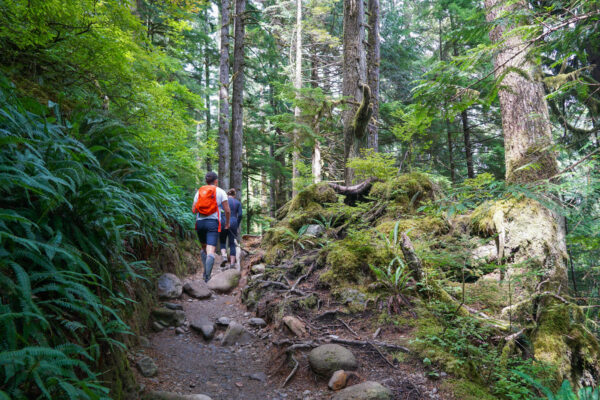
[77, 201]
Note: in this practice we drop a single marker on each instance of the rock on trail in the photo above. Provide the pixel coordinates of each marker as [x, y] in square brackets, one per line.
[328, 358]
[197, 289]
[368, 390]
[169, 286]
[225, 281]
[159, 395]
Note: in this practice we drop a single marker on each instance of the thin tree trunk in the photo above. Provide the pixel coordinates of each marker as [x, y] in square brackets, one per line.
[224, 148]
[373, 72]
[237, 97]
[535, 235]
[354, 72]
[297, 86]
[464, 116]
[207, 87]
[467, 138]
[317, 163]
[448, 130]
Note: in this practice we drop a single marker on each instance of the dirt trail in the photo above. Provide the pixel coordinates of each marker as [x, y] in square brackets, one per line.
[189, 364]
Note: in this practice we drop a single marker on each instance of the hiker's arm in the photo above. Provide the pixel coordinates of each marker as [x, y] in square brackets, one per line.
[227, 213]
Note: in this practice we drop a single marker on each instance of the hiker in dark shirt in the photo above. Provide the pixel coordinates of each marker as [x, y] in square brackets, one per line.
[231, 234]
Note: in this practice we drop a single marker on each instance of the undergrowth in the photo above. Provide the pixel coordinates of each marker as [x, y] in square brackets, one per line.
[77, 202]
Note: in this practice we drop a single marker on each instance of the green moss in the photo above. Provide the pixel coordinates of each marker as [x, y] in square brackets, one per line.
[417, 226]
[415, 187]
[319, 193]
[482, 218]
[467, 390]
[349, 259]
[304, 216]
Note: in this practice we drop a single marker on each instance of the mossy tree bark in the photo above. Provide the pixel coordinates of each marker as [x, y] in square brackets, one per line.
[237, 97]
[374, 58]
[354, 71]
[224, 149]
[535, 238]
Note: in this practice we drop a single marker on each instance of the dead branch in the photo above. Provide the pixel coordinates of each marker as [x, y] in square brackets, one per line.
[413, 261]
[348, 327]
[351, 342]
[291, 375]
[382, 355]
[354, 190]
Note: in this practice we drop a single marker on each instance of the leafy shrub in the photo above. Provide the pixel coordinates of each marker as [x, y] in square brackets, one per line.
[373, 164]
[76, 202]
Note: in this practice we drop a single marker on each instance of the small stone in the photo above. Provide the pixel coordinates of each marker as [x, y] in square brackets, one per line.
[236, 333]
[144, 341]
[259, 376]
[147, 367]
[205, 327]
[434, 390]
[258, 269]
[239, 384]
[223, 321]
[328, 358]
[157, 326]
[258, 322]
[443, 374]
[338, 380]
[297, 327]
[169, 286]
[314, 230]
[197, 289]
[168, 317]
[174, 306]
[368, 390]
[180, 331]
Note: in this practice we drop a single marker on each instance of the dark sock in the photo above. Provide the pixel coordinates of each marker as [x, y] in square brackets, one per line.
[210, 260]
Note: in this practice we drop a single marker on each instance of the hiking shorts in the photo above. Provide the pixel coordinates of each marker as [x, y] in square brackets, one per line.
[208, 231]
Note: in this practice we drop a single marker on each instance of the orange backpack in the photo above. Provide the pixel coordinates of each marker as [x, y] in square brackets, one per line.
[206, 204]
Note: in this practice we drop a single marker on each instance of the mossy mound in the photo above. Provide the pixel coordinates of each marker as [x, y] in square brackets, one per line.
[416, 227]
[414, 187]
[319, 193]
[348, 259]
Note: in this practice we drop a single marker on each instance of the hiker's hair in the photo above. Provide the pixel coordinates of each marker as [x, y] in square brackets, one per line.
[211, 177]
[231, 192]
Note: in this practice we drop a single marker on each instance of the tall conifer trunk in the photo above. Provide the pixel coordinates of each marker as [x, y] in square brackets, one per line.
[533, 235]
[237, 97]
[317, 163]
[224, 148]
[297, 86]
[354, 73]
[374, 58]
[207, 87]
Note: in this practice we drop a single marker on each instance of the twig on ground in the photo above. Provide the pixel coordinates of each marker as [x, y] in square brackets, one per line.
[382, 355]
[291, 375]
[349, 328]
[303, 276]
[368, 342]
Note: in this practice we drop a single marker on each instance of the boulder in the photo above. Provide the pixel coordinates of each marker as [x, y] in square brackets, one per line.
[338, 380]
[328, 358]
[223, 321]
[314, 230]
[258, 322]
[158, 395]
[147, 367]
[225, 281]
[236, 333]
[205, 327]
[174, 306]
[368, 390]
[169, 286]
[167, 317]
[197, 289]
[297, 327]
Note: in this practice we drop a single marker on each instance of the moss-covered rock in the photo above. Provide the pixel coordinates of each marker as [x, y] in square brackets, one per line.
[415, 187]
[348, 259]
[320, 193]
[417, 227]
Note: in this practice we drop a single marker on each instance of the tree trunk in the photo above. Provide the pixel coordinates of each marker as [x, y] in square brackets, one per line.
[535, 235]
[354, 73]
[297, 86]
[237, 97]
[207, 87]
[317, 163]
[467, 138]
[224, 149]
[373, 72]
[450, 152]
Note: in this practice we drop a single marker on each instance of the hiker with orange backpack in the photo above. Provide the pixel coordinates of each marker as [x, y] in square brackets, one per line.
[207, 202]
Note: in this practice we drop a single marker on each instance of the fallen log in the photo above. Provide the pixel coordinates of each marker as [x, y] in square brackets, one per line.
[354, 192]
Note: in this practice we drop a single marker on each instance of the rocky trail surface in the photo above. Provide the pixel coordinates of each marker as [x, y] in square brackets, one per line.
[206, 345]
